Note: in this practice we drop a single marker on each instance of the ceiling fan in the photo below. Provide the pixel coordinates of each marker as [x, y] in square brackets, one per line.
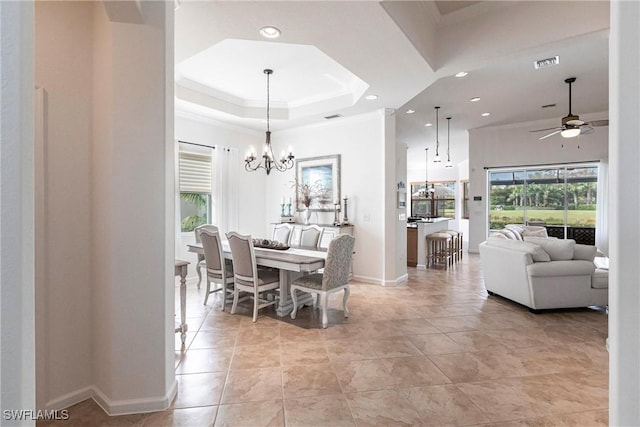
[572, 126]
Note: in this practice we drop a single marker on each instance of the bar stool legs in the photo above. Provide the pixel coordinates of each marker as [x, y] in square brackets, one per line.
[439, 249]
[444, 248]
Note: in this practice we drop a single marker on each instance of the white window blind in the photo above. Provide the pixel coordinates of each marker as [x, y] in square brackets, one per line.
[195, 173]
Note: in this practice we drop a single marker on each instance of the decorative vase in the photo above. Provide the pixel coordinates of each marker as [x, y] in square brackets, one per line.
[306, 214]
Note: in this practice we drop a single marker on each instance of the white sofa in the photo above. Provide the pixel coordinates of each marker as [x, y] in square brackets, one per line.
[543, 273]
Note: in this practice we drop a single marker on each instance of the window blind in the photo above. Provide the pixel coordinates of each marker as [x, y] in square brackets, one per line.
[195, 173]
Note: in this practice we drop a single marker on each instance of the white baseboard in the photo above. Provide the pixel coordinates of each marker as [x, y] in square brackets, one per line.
[366, 279]
[120, 407]
[397, 282]
[394, 282]
[69, 399]
[134, 406]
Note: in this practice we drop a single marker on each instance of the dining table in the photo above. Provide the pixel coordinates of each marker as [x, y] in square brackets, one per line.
[291, 263]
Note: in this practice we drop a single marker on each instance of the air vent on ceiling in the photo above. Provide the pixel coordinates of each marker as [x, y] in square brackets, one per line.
[548, 105]
[333, 116]
[547, 62]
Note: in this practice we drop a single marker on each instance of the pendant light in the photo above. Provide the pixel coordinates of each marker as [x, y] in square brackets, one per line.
[426, 172]
[267, 163]
[437, 159]
[448, 164]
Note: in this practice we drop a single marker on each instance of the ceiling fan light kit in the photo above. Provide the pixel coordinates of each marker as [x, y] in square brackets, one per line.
[572, 126]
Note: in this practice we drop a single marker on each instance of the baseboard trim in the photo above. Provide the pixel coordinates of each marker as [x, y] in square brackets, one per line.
[134, 406]
[69, 399]
[121, 407]
[397, 282]
[366, 279]
[473, 251]
[394, 282]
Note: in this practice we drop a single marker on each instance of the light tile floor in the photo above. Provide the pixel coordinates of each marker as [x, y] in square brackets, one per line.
[436, 352]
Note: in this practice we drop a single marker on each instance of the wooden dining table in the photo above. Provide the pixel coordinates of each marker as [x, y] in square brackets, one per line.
[292, 263]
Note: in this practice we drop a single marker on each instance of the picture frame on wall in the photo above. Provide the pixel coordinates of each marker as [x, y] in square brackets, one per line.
[322, 176]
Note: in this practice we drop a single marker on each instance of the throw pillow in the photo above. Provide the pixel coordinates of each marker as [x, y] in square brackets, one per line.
[535, 231]
[558, 249]
[510, 234]
[538, 254]
[516, 229]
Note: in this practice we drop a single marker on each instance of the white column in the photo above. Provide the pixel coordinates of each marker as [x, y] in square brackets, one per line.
[17, 339]
[624, 208]
[132, 205]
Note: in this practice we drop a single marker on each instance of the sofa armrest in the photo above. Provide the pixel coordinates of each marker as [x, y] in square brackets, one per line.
[505, 272]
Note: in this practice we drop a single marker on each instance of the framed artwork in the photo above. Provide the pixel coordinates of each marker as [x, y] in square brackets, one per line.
[318, 180]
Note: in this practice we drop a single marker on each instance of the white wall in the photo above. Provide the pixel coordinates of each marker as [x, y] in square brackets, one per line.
[63, 67]
[252, 187]
[624, 208]
[400, 225]
[360, 142]
[514, 145]
[17, 310]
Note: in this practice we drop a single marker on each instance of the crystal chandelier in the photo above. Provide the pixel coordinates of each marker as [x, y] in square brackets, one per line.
[268, 161]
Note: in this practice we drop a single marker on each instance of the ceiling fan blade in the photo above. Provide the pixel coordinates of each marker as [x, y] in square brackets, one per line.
[541, 130]
[551, 134]
[598, 123]
[586, 130]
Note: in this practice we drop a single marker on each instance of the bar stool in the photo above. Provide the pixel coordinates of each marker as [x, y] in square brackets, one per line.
[439, 249]
[457, 244]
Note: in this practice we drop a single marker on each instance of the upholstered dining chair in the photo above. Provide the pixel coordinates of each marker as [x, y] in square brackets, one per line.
[282, 233]
[247, 277]
[334, 278]
[218, 269]
[309, 235]
[201, 264]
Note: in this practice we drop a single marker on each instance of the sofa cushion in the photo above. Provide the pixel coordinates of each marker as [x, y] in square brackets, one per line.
[584, 252]
[561, 268]
[558, 249]
[535, 231]
[537, 253]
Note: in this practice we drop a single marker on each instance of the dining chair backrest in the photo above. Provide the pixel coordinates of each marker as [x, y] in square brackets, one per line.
[282, 233]
[199, 229]
[337, 267]
[213, 253]
[244, 258]
[310, 235]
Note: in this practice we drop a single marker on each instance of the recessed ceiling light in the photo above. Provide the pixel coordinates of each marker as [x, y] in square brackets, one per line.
[461, 74]
[410, 111]
[486, 114]
[428, 124]
[475, 99]
[270, 32]
[371, 97]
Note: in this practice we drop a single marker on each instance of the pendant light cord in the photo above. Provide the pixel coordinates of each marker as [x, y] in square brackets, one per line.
[268, 72]
[437, 134]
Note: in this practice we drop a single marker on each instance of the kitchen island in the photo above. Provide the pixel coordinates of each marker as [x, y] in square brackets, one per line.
[417, 242]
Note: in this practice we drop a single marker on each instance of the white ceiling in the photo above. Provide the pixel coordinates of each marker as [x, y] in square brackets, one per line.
[405, 52]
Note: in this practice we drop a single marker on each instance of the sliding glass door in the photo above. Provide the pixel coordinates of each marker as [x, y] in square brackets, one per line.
[561, 198]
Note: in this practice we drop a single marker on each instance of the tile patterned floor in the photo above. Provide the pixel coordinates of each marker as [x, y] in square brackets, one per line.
[433, 353]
